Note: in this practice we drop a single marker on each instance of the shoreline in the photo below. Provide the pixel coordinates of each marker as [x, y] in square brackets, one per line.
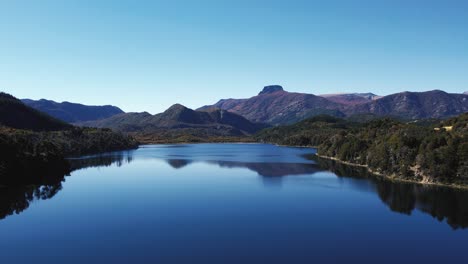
[390, 178]
[371, 171]
[378, 174]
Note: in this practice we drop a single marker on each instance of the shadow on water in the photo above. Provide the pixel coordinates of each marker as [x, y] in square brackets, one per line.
[444, 204]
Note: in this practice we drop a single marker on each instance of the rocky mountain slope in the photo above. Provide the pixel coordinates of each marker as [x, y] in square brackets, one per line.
[351, 98]
[273, 105]
[415, 105]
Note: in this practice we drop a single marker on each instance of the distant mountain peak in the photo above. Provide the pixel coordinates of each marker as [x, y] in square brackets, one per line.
[179, 120]
[271, 89]
[273, 105]
[176, 107]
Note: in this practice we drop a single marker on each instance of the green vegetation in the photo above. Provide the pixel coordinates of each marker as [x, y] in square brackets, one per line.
[423, 153]
[187, 135]
[172, 137]
[34, 144]
[181, 124]
[309, 132]
[76, 141]
[29, 153]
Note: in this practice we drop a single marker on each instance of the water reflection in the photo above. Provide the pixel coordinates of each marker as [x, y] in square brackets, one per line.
[261, 168]
[271, 173]
[16, 199]
[17, 191]
[103, 160]
[444, 204]
[272, 169]
[178, 163]
[37, 181]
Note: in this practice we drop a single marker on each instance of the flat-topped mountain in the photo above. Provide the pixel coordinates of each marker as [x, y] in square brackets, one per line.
[73, 112]
[15, 114]
[271, 89]
[178, 119]
[273, 105]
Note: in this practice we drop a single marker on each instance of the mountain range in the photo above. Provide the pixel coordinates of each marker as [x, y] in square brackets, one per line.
[73, 112]
[34, 144]
[415, 105]
[179, 119]
[15, 114]
[231, 117]
[274, 105]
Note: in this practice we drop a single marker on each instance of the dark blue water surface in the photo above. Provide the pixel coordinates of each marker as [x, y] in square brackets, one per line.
[229, 203]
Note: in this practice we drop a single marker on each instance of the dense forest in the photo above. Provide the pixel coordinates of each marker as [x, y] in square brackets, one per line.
[30, 153]
[417, 151]
[33, 144]
[187, 135]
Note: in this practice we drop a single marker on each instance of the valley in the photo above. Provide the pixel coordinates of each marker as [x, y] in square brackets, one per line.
[401, 136]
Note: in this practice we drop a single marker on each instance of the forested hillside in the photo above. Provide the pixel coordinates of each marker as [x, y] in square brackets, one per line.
[393, 148]
[181, 124]
[33, 143]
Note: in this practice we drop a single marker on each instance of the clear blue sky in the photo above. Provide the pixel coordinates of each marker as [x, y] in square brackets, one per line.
[148, 55]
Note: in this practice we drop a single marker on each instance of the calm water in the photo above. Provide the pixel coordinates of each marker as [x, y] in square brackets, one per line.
[228, 203]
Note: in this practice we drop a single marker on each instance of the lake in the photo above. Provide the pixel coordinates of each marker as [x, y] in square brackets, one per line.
[229, 203]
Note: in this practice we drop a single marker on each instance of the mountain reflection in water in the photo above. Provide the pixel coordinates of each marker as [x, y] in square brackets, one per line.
[261, 168]
[442, 203]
